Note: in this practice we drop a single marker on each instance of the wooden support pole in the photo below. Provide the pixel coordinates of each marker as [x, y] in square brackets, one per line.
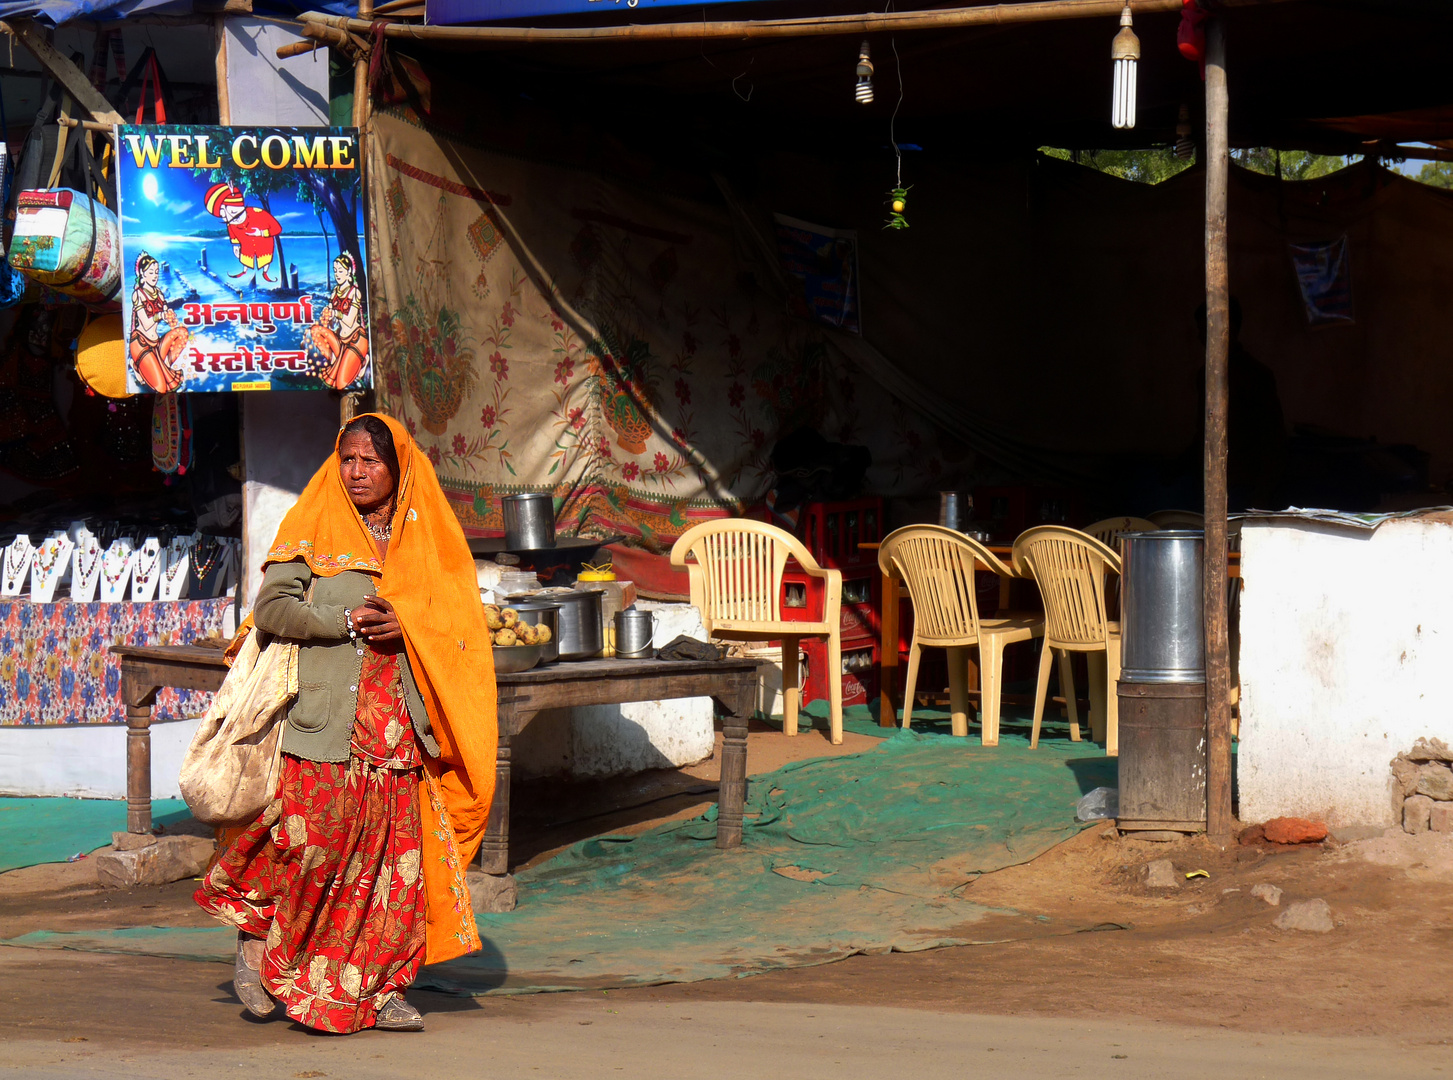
[60, 68]
[335, 29]
[360, 73]
[1219, 820]
[224, 92]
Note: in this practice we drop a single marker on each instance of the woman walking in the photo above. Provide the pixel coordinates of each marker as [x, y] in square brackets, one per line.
[354, 876]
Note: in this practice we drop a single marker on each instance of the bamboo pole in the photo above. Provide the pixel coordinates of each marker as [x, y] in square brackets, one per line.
[1218, 346]
[349, 404]
[224, 91]
[335, 29]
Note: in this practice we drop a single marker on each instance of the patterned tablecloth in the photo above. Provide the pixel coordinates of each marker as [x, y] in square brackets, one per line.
[56, 666]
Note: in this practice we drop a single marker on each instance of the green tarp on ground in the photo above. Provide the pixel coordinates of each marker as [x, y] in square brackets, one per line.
[36, 831]
[842, 855]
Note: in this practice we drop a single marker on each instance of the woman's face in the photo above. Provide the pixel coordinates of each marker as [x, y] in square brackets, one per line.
[340, 273]
[364, 473]
[152, 274]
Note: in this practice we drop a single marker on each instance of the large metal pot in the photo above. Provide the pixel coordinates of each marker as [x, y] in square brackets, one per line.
[1162, 637]
[579, 631]
[542, 613]
[529, 521]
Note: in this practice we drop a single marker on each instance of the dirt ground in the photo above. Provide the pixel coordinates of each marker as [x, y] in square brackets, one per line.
[1202, 956]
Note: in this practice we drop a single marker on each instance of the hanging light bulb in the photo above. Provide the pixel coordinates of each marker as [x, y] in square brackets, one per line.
[1125, 51]
[864, 92]
[1185, 147]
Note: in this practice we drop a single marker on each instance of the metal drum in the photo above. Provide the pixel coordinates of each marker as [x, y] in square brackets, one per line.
[529, 521]
[580, 628]
[1163, 640]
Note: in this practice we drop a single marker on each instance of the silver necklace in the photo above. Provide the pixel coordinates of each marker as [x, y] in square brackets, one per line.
[381, 533]
[174, 565]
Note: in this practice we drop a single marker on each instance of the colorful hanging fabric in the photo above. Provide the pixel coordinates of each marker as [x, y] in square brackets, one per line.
[171, 434]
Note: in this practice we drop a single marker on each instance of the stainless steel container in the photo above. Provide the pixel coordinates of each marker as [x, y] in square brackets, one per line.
[529, 521]
[1162, 637]
[954, 508]
[580, 628]
[542, 613]
[635, 634]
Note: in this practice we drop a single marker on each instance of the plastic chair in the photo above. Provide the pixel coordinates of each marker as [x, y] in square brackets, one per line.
[1178, 519]
[937, 565]
[736, 584]
[1070, 569]
[1105, 531]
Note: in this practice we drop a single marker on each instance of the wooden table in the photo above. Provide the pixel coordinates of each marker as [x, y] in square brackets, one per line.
[731, 684]
[145, 669]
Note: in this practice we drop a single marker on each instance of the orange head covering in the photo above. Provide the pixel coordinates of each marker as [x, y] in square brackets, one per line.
[430, 580]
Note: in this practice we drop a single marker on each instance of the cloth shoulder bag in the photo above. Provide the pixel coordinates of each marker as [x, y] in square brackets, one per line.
[231, 770]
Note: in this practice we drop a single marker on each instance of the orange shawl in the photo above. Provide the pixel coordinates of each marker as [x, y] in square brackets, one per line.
[430, 580]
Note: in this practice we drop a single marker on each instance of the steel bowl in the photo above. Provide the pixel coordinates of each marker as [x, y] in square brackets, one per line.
[509, 659]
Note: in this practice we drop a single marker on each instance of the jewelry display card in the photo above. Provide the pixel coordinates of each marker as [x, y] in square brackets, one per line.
[175, 562]
[146, 570]
[85, 564]
[116, 563]
[16, 566]
[48, 565]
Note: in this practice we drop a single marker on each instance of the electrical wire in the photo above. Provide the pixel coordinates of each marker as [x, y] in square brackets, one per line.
[892, 122]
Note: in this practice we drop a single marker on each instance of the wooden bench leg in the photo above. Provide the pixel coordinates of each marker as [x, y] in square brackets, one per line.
[138, 767]
[494, 850]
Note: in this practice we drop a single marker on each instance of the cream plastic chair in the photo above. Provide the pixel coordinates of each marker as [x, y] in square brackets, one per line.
[736, 584]
[1070, 569]
[1178, 519]
[1105, 531]
[937, 565]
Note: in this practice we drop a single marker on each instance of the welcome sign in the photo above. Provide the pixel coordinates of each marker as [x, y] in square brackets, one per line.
[242, 259]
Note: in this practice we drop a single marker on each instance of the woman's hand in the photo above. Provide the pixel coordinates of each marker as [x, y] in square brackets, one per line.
[377, 622]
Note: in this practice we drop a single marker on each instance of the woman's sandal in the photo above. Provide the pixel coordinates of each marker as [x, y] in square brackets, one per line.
[398, 1015]
[247, 982]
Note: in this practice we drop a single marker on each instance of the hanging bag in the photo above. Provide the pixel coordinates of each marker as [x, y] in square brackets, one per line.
[68, 240]
[232, 767]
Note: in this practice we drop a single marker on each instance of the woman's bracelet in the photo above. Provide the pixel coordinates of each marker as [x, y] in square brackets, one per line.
[352, 630]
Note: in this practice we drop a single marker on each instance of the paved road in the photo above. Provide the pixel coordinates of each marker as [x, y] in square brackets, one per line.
[571, 1036]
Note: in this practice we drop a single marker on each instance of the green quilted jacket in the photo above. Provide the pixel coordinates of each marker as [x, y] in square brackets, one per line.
[320, 723]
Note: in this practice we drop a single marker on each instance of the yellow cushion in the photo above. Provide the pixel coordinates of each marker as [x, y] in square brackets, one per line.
[101, 357]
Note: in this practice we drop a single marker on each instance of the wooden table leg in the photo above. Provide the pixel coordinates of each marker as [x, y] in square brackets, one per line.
[138, 766]
[735, 706]
[494, 850]
[888, 652]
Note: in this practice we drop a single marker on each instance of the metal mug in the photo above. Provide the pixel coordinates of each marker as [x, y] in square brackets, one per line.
[635, 634]
[529, 521]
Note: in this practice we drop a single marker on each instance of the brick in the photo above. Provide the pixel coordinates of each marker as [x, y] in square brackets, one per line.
[1416, 811]
[1290, 830]
[1440, 817]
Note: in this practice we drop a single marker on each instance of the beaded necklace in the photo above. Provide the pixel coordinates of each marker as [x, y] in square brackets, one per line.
[207, 551]
[46, 556]
[144, 569]
[113, 579]
[176, 563]
[17, 556]
[84, 570]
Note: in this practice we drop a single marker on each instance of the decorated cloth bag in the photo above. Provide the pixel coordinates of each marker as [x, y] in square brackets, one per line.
[231, 770]
[69, 240]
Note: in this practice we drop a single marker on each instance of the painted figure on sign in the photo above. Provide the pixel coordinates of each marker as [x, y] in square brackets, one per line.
[154, 353]
[252, 230]
[339, 333]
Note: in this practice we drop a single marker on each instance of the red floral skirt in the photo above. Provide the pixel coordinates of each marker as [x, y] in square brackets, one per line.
[329, 873]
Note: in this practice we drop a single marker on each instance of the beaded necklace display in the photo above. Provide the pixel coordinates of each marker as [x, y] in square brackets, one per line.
[175, 564]
[142, 574]
[84, 570]
[207, 550]
[46, 556]
[113, 579]
[16, 558]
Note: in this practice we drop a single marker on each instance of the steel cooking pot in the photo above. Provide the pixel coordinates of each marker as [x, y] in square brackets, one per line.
[529, 521]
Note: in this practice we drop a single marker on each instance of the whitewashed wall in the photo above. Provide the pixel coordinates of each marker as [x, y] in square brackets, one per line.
[88, 761]
[1346, 656]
